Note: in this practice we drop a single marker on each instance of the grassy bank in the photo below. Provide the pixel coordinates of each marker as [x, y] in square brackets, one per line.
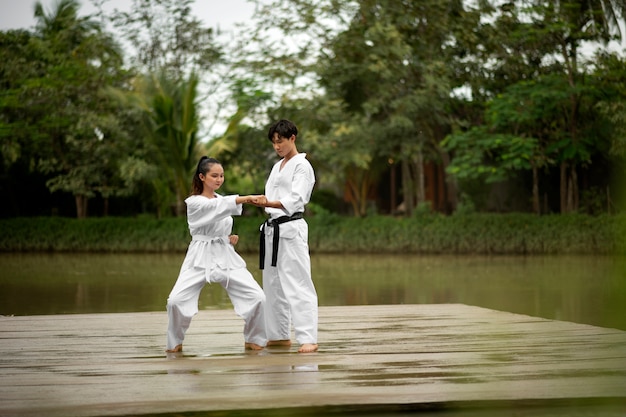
[433, 234]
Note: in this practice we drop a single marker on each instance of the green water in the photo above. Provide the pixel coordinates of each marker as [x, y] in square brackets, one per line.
[582, 289]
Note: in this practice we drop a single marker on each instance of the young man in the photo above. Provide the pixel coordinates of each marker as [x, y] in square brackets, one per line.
[289, 290]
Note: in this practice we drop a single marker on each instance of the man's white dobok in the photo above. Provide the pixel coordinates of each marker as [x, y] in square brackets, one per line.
[289, 290]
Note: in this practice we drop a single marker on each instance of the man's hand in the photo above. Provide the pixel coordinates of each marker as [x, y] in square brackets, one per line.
[258, 200]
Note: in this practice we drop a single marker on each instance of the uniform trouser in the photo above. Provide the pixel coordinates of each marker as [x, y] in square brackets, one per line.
[289, 292]
[245, 294]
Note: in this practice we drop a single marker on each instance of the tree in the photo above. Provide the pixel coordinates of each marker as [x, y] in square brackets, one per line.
[244, 148]
[22, 59]
[611, 71]
[85, 60]
[57, 93]
[568, 24]
[170, 124]
[181, 64]
[524, 129]
[391, 66]
[382, 63]
[345, 149]
[166, 38]
[530, 54]
[609, 80]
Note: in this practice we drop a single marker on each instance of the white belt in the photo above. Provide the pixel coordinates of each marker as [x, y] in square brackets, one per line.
[211, 239]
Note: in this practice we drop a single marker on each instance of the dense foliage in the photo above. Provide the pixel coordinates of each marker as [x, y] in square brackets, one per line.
[458, 106]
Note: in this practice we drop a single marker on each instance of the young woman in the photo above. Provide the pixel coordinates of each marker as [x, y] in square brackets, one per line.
[211, 258]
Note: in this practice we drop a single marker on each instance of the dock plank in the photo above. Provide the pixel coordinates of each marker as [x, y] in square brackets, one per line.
[406, 355]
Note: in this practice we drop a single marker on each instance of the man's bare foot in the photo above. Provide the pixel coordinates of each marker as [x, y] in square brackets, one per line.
[253, 346]
[308, 348]
[279, 343]
[178, 348]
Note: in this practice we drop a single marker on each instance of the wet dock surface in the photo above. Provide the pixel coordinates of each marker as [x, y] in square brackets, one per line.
[376, 360]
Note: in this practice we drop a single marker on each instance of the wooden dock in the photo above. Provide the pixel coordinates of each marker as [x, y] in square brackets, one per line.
[372, 360]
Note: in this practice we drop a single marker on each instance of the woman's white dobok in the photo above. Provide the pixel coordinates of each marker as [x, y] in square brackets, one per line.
[211, 258]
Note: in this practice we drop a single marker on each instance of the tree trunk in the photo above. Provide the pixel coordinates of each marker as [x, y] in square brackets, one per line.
[407, 188]
[569, 188]
[358, 184]
[572, 201]
[81, 206]
[356, 207]
[419, 174]
[350, 196]
[180, 205]
[563, 187]
[392, 188]
[536, 207]
[365, 186]
[450, 184]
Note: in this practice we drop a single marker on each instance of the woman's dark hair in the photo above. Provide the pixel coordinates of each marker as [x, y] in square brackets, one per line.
[284, 128]
[204, 166]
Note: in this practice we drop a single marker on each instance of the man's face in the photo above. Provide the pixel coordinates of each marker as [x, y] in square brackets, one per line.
[284, 147]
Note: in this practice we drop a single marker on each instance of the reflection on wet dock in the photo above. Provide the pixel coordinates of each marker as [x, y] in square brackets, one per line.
[374, 359]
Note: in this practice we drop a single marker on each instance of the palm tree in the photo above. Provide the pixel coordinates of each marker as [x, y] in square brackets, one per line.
[63, 19]
[171, 110]
[67, 32]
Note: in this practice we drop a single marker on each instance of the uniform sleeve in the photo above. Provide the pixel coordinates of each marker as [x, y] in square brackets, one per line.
[202, 211]
[302, 186]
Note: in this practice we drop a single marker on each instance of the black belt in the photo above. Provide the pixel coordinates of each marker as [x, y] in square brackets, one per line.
[274, 223]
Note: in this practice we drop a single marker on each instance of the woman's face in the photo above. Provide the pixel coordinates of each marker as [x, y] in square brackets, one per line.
[213, 179]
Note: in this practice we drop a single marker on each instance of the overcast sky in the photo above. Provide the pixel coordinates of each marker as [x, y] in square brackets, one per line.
[18, 14]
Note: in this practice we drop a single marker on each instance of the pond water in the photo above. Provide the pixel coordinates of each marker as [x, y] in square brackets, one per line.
[582, 289]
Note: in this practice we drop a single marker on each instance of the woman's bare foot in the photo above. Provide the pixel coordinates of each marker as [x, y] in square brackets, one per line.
[308, 348]
[279, 343]
[253, 346]
[178, 348]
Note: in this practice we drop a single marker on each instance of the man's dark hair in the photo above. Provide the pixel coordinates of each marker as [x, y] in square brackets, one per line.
[284, 128]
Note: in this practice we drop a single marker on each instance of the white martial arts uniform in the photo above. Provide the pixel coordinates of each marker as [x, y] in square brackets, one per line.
[289, 290]
[211, 258]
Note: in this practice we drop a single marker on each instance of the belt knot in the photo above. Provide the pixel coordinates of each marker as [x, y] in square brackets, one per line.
[275, 223]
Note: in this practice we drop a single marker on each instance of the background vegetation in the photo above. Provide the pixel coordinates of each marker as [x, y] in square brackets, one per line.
[478, 233]
[405, 108]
